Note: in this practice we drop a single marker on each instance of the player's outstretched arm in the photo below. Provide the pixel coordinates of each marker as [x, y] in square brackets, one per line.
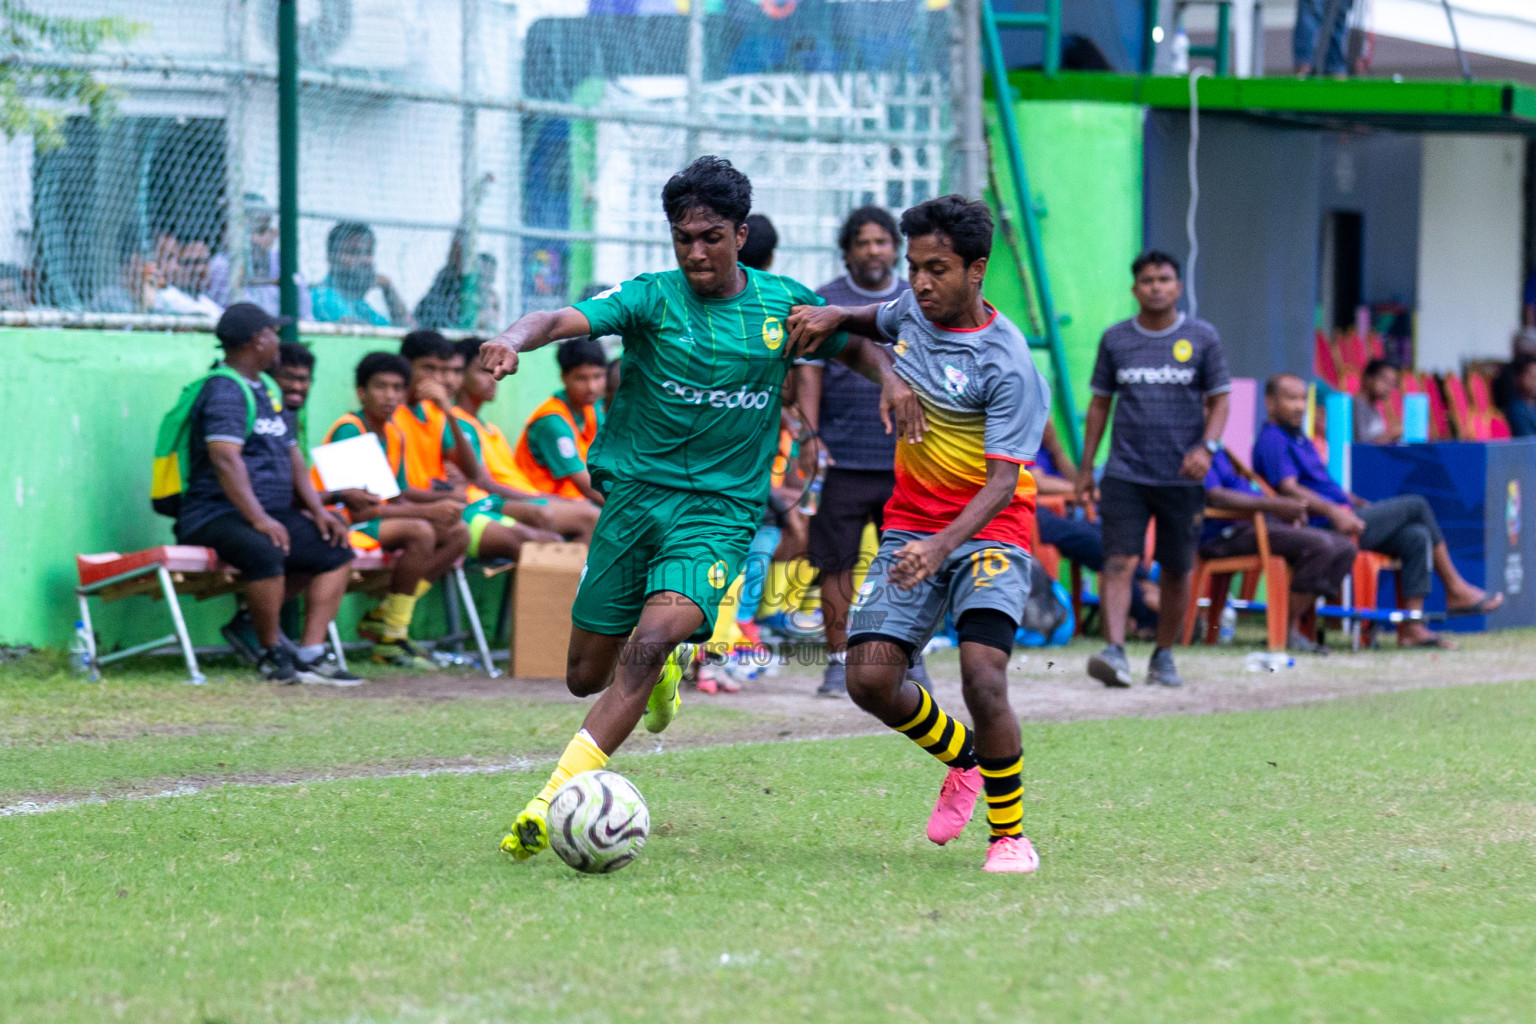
[899, 405]
[499, 355]
[919, 559]
[809, 326]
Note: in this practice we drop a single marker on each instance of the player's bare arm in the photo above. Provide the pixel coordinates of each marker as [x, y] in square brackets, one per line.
[809, 326]
[499, 355]
[900, 408]
[1093, 434]
[919, 559]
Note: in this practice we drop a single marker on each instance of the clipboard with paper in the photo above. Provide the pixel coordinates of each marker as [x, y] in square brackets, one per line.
[356, 463]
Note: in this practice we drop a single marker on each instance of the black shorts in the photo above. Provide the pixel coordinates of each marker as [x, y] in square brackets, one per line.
[253, 553]
[1179, 510]
[850, 498]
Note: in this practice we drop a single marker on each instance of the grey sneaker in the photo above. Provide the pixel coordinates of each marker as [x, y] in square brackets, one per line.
[834, 681]
[1160, 670]
[919, 675]
[1110, 667]
[278, 664]
[326, 671]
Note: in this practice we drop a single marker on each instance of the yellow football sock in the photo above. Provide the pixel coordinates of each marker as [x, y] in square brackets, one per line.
[396, 610]
[582, 754]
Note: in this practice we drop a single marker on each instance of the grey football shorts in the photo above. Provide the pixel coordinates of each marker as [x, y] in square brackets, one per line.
[979, 574]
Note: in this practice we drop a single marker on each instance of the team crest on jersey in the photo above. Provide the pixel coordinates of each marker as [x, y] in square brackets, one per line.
[773, 333]
[1182, 350]
[716, 574]
[902, 345]
[954, 381]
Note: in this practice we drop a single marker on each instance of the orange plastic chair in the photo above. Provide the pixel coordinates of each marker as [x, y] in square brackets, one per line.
[1215, 577]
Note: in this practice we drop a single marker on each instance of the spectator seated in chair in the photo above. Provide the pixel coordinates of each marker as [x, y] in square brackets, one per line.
[1078, 538]
[552, 451]
[342, 297]
[434, 442]
[249, 498]
[541, 517]
[1319, 559]
[1377, 384]
[1519, 407]
[1402, 527]
[426, 528]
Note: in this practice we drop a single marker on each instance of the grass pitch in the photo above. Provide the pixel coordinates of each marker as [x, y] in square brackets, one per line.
[1365, 858]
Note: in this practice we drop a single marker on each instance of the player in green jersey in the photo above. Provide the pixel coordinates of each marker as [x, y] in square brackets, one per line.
[682, 460]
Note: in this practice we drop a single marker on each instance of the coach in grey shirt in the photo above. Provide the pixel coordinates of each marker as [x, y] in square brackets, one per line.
[1167, 379]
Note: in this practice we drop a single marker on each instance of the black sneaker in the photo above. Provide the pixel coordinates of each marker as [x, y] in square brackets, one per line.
[278, 664]
[1110, 667]
[326, 671]
[241, 635]
[1160, 670]
[834, 682]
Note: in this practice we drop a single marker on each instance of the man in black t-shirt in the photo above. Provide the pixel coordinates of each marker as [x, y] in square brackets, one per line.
[1167, 378]
[244, 479]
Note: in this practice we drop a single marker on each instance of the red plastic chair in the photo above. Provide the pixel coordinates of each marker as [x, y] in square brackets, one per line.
[1460, 408]
[1325, 362]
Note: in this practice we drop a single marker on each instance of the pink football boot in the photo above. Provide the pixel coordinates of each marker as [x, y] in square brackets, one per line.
[957, 800]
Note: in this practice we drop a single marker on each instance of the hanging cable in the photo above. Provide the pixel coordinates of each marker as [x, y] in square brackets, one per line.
[1194, 190]
[1461, 57]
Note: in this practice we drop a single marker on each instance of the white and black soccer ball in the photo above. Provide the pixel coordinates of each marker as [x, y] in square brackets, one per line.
[598, 822]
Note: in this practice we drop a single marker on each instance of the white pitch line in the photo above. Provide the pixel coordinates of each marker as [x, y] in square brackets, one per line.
[520, 764]
[517, 764]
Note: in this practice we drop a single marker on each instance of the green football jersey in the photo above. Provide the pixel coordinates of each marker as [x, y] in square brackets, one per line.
[700, 383]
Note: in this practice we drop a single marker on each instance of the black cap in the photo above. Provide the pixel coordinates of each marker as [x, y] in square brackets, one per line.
[243, 321]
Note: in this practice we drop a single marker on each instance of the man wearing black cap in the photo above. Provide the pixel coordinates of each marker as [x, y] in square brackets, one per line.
[244, 479]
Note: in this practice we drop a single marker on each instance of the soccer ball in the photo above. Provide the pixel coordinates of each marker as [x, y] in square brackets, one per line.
[598, 822]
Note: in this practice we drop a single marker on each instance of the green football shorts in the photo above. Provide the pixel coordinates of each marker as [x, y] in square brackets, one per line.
[651, 539]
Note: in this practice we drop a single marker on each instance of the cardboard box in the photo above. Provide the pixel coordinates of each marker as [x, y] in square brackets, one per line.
[547, 577]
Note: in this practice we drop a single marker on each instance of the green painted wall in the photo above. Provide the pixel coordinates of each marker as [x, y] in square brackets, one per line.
[1084, 162]
[84, 408]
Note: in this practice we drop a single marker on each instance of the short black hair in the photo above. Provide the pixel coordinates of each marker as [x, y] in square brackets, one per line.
[345, 231]
[291, 353]
[866, 215]
[580, 352]
[1272, 386]
[375, 363]
[712, 183]
[967, 223]
[1375, 366]
[1155, 258]
[420, 344]
[469, 348]
[762, 239]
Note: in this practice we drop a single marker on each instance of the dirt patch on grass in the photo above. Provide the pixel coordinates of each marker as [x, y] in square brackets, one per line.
[1049, 685]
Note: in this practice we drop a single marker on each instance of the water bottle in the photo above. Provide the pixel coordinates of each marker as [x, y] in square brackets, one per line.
[1268, 661]
[812, 499]
[81, 664]
[1228, 628]
[1180, 57]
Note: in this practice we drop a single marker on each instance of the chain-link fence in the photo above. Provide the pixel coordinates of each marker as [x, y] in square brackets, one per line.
[461, 161]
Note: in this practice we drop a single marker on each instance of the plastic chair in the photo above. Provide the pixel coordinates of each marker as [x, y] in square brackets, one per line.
[1460, 409]
[1216, 575]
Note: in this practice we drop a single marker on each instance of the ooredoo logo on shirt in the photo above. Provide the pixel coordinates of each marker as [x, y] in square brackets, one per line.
[1165, 374]
[741, 398]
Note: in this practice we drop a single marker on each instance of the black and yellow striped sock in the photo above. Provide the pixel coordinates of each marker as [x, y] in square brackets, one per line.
[1003, 780]
[944, 737]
